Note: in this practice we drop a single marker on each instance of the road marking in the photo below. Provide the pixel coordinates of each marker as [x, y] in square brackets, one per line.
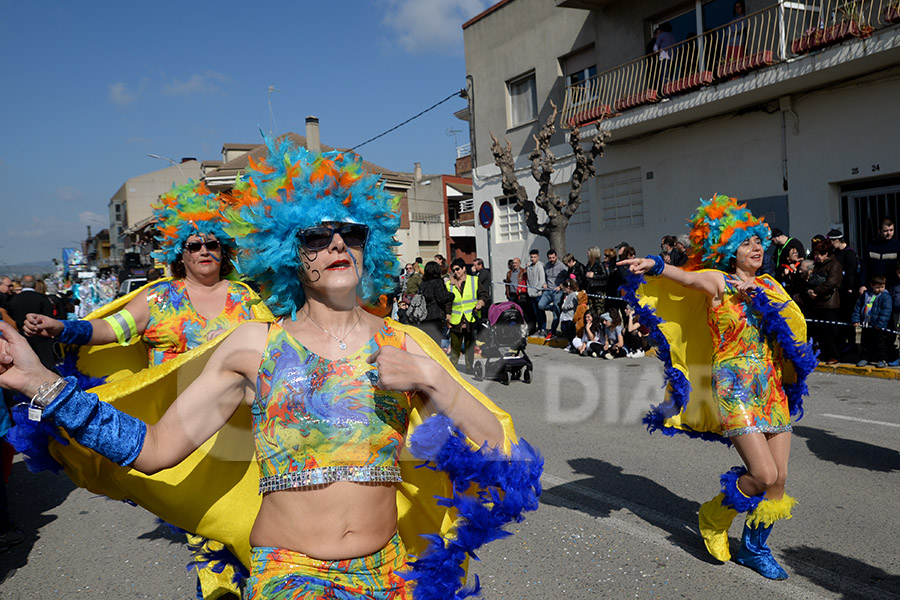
[858, 420]
[823, 578]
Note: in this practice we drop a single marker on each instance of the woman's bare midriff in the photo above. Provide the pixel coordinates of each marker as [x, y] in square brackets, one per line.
[337, 521]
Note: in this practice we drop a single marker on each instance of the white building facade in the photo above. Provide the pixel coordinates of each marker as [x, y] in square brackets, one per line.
[790, 108]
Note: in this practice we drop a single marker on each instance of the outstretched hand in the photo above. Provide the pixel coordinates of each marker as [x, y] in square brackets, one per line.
[20, 368]
[638, 266]
[41, 325]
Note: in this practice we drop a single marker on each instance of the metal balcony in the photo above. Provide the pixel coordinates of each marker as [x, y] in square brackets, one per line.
[774, 34]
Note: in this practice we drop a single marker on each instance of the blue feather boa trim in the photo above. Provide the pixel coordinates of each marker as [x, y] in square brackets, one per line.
[676, 382]
[734, 497]
[32, 438]
[507, 486]
[774, 327]
[801, 353]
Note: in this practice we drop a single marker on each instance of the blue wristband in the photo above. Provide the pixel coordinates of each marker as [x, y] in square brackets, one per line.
[76, 332]
[658, 266]
[97, 425]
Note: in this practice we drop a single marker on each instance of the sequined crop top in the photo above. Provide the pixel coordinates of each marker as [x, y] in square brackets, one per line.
[735, 327]
[317, 421]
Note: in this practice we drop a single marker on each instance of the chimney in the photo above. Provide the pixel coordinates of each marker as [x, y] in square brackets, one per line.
[418, 172]
[312, 134]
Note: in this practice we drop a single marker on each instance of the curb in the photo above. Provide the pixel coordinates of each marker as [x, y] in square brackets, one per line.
[867, 371]
[838, 369]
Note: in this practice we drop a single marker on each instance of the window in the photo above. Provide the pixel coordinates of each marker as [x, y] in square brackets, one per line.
[580, 222]
[510, 224]
[621, 199]
[579, 68]
[522, 100]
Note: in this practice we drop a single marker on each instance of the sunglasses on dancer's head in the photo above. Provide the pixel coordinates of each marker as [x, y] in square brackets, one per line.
[320, 236]
[211, 245]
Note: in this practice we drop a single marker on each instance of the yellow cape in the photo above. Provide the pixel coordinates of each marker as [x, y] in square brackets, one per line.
[685, 328]
[214, 491]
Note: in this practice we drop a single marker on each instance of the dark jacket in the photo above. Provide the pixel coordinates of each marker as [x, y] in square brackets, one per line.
[850, 267]
[597, 283]
[437, 299]
[30, 301]
[826, 280]
[880, 314]
[578, 271]
[485, 285]
[881, 259]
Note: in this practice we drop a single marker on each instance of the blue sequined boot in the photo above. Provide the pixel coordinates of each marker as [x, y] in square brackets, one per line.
[754, 552]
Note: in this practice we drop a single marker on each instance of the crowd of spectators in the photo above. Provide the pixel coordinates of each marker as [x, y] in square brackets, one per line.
[851, 302]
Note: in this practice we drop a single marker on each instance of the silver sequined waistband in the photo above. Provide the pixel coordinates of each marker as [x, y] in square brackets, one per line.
[323, 475]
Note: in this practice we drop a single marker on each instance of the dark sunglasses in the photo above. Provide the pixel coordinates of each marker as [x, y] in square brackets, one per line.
[211, 245]
[320, 236]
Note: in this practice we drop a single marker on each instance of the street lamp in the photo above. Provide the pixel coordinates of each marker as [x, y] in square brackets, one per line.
[171, 162]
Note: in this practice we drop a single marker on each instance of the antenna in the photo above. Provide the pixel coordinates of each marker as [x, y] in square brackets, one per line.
[274, 125]
[452, 133]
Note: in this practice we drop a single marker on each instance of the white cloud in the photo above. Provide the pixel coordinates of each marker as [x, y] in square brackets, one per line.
[422, 26]
[69, 194]
[120, 95]
[93, 219]
[199, 83]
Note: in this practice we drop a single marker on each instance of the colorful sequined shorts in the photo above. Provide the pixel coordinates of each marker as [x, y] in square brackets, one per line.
[750, 397]
[277, 574]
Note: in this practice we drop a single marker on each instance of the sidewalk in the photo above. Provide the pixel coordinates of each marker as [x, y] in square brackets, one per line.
[838, 369]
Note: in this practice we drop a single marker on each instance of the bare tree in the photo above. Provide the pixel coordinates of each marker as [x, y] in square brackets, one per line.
[542, 161]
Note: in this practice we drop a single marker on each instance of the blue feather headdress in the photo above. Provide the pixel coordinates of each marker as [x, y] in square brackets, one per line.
[718, 227]
[292, 189]
[183, 211]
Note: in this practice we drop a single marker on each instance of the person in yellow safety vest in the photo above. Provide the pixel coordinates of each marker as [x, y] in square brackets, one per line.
[467, 300]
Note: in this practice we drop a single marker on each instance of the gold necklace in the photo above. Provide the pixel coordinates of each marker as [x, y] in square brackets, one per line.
[340, 340]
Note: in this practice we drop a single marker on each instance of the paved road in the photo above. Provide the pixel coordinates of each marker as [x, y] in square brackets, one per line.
[618, 513]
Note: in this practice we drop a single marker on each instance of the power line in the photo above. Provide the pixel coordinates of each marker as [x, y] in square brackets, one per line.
[460, 93]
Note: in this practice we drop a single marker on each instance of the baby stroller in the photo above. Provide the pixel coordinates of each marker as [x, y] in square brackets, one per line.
[504, 345]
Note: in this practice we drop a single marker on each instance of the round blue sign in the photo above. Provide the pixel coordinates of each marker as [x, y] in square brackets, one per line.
[486, 214]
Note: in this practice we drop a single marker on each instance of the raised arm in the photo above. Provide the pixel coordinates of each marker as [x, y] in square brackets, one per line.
[712, 283]
[201, 410]
[118, 327]
[414, 370]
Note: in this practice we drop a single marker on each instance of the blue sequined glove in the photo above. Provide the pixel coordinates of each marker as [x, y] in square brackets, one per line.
[658, 264]
[97, 425]
[76, 332]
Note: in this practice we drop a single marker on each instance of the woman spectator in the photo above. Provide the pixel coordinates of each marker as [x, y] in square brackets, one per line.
[611, 336]
[635, 334]
[596, 275]
[822, 299]
[588, 343]
[414, 281]
[437, 302]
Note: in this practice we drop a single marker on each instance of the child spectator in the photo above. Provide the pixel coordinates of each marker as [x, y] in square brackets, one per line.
[588, 344]
[611, 337]
[635, 334]
[873, 312]
[567, 312]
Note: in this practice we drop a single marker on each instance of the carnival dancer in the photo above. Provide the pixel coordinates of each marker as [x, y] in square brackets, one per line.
[170, 316]
[755, 343]
[333, 393]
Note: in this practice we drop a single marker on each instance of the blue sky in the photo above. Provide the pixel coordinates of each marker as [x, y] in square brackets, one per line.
[91, 88]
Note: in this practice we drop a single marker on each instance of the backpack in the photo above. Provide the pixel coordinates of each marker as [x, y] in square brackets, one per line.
[417, 310]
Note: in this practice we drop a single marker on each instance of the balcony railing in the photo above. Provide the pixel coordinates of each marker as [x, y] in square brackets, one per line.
[763, 38]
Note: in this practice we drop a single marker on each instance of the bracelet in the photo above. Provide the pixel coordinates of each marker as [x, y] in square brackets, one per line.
[658, 265]
[76, 332]
[46, 393]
